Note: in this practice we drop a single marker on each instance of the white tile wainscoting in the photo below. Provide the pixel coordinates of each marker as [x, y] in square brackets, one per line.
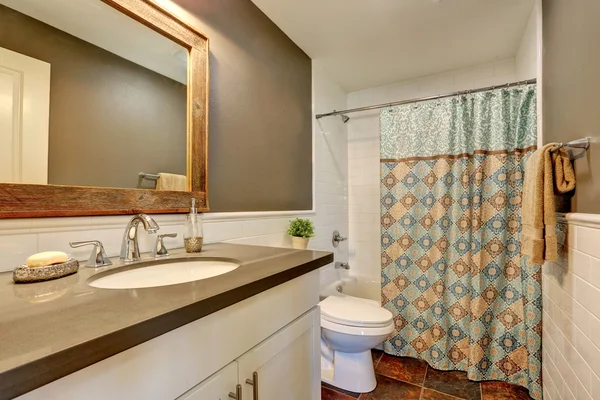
[571, 301]
[20, 238]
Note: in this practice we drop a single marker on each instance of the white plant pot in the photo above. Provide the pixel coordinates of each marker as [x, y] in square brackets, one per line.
[299, 243]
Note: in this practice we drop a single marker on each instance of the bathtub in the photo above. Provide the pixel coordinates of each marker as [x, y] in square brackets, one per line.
[357, 286]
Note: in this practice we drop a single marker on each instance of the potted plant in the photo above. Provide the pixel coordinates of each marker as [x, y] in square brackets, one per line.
[301, 230]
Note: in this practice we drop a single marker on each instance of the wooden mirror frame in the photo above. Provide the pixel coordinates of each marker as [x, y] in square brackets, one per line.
[32, 200]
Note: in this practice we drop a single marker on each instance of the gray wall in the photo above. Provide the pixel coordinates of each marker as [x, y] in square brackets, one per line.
[571, 88]
[109, 118]
[260, 143]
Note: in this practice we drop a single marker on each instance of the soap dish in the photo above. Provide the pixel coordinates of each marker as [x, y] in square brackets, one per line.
[25, 274]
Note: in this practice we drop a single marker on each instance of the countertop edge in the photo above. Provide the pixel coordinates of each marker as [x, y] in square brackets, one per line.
[30, 376]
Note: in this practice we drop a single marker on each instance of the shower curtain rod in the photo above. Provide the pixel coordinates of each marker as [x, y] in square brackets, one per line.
[443, 96]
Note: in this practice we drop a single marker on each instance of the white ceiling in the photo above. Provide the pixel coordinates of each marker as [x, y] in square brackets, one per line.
[367, 43]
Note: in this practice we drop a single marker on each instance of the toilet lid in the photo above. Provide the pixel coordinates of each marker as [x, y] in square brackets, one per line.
[354, 312]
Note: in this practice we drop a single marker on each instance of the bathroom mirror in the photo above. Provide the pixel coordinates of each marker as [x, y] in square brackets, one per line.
[103, 109]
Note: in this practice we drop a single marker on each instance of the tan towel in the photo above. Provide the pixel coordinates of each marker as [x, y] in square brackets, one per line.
[171, 182]
[546, 172]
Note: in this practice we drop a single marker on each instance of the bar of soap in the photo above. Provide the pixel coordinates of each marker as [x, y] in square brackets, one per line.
[46, 258]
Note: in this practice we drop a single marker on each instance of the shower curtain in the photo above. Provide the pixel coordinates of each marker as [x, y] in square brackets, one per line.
[452, 274]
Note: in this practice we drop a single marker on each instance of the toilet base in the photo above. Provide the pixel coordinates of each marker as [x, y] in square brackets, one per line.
[351, 371]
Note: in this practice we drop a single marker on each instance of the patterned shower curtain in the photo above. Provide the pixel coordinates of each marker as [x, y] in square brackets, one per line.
[452, 274]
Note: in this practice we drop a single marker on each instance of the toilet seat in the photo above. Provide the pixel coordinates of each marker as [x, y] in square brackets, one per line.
[354, 316]
[357, 330]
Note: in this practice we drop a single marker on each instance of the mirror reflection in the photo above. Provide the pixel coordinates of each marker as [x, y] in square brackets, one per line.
[89, 97]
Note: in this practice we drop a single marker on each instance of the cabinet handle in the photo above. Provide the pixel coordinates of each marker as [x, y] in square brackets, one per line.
[254, 383]
[238, 393]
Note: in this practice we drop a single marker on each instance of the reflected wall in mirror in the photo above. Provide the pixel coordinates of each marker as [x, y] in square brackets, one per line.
[90, 97]
[98, 98]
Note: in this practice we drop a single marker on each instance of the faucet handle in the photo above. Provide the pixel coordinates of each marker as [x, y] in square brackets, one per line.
[159, 249]
[98, 258]
[337, 238]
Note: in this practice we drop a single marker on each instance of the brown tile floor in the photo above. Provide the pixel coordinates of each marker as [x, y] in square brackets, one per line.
[402, 378]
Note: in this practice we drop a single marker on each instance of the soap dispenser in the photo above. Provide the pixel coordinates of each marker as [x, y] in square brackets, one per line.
[192, 236]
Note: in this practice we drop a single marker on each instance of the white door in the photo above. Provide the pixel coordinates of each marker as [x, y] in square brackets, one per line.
[24, 116]
[217, 386]
[286, 366]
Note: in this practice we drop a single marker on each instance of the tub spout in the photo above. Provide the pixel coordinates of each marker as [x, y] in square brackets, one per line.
[342, 265]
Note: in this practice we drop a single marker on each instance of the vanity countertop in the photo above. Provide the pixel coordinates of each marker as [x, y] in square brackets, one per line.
[51, 329]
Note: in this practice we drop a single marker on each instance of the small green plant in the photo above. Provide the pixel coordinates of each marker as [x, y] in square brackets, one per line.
[303, 228]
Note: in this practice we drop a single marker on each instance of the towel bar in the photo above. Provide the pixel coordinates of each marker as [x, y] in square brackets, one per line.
[583, 143]
[152, 177]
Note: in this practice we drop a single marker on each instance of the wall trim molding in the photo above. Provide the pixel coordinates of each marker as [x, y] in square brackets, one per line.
[236, 216]
[579, 219]
[64, 224]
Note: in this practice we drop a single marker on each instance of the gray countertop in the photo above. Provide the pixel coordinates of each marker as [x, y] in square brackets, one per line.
[51, 329]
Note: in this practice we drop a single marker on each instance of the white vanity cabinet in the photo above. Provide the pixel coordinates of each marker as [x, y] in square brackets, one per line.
[272, 337]
[281, 367]
[283, 364]
[216, 387]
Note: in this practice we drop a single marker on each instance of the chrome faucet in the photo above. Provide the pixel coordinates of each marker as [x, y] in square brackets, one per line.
[342, 265]
[130, 249]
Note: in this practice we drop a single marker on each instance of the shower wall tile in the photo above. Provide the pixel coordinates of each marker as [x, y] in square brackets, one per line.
[588, 240]
[595, 271]
[21, 237]
[571, 319]
[363, 151]
[595, 387]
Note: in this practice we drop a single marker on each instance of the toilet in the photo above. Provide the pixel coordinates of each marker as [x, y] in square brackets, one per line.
[350, 328]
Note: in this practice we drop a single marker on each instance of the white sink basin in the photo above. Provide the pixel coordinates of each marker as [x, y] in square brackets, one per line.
[170, 273]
